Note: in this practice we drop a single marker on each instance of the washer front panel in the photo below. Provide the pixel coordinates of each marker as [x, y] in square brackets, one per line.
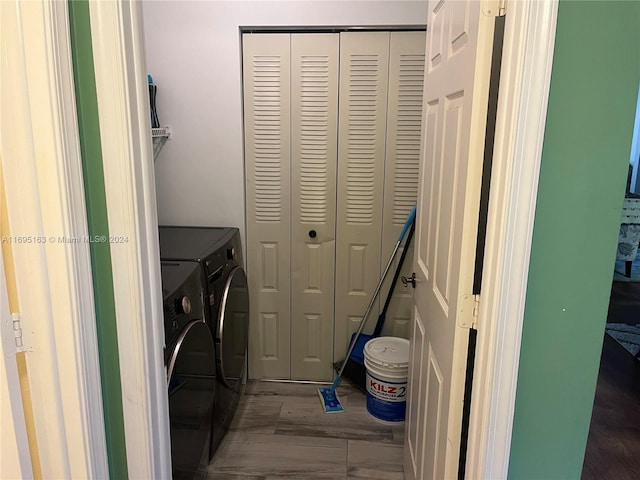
[233, 329]
[192, 386]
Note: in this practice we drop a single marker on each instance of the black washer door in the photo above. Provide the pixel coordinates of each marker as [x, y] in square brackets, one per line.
[233, 329]
[191, 378]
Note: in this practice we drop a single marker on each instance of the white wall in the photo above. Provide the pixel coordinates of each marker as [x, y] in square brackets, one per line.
[194, 54]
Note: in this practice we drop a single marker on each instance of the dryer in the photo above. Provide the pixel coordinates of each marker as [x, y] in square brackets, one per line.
[218, 251]
[191, 373]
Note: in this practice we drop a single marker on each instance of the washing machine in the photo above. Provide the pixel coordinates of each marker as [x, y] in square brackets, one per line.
[190, 366]
[218, 252]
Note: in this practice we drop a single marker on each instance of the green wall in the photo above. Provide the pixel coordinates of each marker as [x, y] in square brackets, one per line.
[594, 83]
[93, 173]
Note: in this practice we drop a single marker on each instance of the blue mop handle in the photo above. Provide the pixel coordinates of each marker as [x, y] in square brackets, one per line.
[407, 224]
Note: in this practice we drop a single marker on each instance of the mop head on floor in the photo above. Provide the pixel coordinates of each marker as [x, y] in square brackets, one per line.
[329, 400]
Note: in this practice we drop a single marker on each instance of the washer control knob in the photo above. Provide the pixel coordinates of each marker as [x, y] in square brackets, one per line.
[186, 305]
[183, 305]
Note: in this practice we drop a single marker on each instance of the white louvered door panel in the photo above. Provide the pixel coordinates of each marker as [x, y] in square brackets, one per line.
[404, 127]
[314, 147]
[364, 59]
[266, 64]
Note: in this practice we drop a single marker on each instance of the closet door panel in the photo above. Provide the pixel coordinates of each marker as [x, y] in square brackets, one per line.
[404, 127]
[314, 145]
[364, 59]
[266, 67]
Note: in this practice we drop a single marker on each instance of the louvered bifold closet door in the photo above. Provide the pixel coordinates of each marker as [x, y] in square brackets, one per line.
[314, 150]
[404, 127]
[266, 70]
[364, 59]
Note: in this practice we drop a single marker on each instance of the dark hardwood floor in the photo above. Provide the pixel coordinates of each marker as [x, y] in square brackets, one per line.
[613, 446]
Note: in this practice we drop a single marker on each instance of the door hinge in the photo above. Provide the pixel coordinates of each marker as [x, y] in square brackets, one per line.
[14, 339]
[469, 310]
[17, 332]
[494, 8]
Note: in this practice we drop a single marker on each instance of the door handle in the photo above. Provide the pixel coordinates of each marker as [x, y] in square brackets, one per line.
[410, 280]
[312, 234]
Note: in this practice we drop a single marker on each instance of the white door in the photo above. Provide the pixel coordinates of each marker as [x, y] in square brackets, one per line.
[14, 445]
[314, 150]
[310, 183]
[404, 125]
[364, 76]
[266, 64]
[291, 144]
[458, 57]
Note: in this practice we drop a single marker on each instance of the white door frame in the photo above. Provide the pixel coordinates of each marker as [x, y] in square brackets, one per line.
[524, 89]
[525, 79]
[127, 152]
[42, 169]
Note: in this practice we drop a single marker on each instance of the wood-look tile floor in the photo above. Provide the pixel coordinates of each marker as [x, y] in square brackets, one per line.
[613, 445]
[280, 431]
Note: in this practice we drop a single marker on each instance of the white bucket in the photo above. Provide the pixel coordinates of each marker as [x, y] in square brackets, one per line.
[387, 362]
